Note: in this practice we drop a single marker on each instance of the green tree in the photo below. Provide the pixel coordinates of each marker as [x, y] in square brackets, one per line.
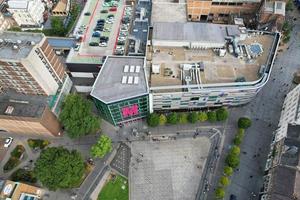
[182, 118]
[77, 117]
[172, 118]
[102, 147]
[193, 117]
[22, 175]
[153, 119]
[162, 119]
[232, 160]
[235, 150]
[212, 116]
[244, 122]
[57, 27]
[237, 140]
[202, 116]
[222, 114]
[228, 171]
[224, 181]
[58, 167]
[220, 193]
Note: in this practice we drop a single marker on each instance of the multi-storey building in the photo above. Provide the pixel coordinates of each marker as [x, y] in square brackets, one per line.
[27, 114]
[197, 65]
[4, 23]
[27, 13]
[120, 91]
[29, 65]
[219, 10]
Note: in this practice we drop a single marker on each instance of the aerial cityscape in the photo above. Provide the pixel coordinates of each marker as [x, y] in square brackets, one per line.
[149, 99]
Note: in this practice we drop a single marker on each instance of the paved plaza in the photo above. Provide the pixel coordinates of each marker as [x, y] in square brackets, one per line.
[167, 170]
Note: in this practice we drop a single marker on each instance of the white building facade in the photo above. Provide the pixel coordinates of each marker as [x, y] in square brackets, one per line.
[27, 13]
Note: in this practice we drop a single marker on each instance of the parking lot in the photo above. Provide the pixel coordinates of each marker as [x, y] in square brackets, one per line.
[169, 169]
[97, 30]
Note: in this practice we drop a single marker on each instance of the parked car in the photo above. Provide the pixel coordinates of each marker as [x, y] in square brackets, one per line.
[110, 16]
[232, 197]
[87, 14]
[113, 9]
[103, 44]
[104, 11]
[93, 44]
[8, 142]
[101, 20]
[77, 47]
[96, 34]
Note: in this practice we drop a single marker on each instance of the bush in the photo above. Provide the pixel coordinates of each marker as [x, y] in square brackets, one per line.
[202, 116]
[17, 152]
[22, 175]
[224, 181]
[237, 140]
[153, 119]
[244, 122]
[212, 116]
[222, 114]
[162, 119]
[232, 160]
[220, 193]
[193, 117]
[228, 171]
[172, 118]
[11, 163]
[37, 143]
[182, 118]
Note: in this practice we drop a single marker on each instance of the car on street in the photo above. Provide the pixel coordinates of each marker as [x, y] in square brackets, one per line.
[87, 14]
[94, 44]
[232, 197]
[8, 141]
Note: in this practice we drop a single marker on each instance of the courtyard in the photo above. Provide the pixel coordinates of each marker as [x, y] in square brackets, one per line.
[165, 170]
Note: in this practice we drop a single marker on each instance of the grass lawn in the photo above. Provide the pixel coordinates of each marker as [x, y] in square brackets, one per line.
[112, 190]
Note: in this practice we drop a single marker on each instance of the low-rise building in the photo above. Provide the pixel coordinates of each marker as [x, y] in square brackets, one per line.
[120, 91]
[11, 190]
[27, 13]
[27, 114]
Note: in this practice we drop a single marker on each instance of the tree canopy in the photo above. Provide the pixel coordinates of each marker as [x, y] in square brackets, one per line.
[232, 160]
[182, 118]
[193, 117]
[212, 116]
[102, 147]
[58, 167]
[228, 171]
[220, 193]
[244, 122]
[162, 119]
[202, 116]
[77, 117]
[224, 181]
[172, 118]
[222, 114]
[153, 119]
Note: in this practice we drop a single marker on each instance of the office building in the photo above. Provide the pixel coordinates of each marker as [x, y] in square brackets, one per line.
[11, 190]
[197, 65]
[217, 10]
[27, 114]
[27, 13]
[120, 91]
[29, 65]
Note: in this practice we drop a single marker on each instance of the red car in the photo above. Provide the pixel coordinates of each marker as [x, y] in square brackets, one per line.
[113, 9]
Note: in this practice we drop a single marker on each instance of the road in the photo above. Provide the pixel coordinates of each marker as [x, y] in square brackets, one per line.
[264, 111]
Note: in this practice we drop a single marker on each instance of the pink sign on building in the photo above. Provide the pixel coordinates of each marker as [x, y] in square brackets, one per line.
[130, 111]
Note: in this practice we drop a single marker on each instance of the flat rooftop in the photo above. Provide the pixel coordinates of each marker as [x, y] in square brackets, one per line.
[22, 41]
[14, 104]
[121, 77]
[168, 11]
[168, 169]
[214, 68]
